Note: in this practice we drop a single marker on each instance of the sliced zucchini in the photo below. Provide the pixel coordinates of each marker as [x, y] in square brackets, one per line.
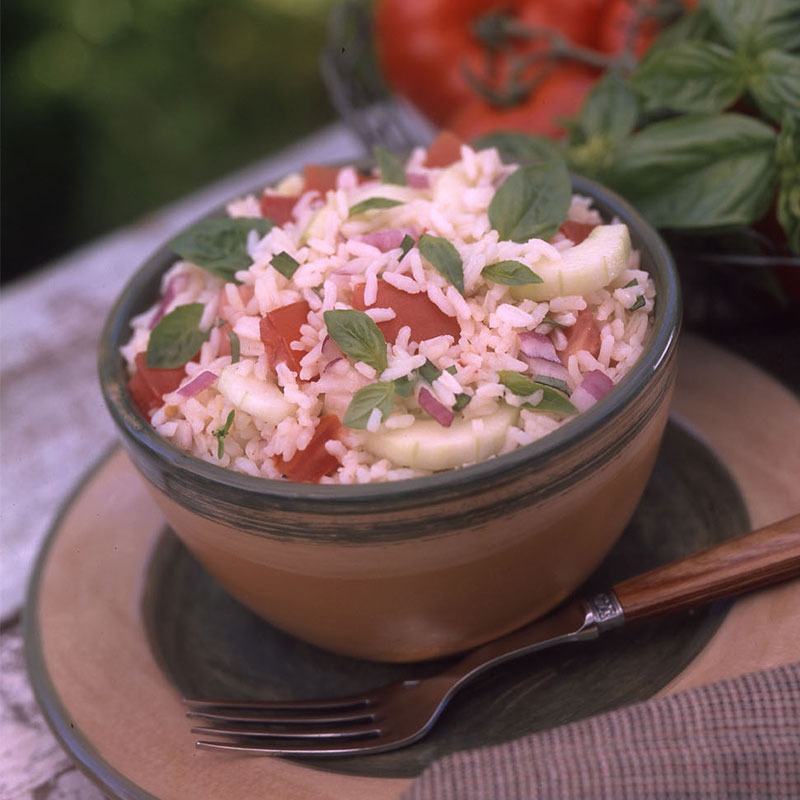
[587, 266]
[261, 399]
[428, 445]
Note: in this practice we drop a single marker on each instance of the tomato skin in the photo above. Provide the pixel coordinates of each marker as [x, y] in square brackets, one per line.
[311, 464]
[279, 329]
[559, 94]
[425, 319]
[147, 385]
[444, 150]
[576, 232]
[583, 335]
[277, 207]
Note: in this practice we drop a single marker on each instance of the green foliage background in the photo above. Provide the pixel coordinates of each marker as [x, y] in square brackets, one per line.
[112, 108]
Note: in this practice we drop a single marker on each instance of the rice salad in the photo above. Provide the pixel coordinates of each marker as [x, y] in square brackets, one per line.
[351, 328]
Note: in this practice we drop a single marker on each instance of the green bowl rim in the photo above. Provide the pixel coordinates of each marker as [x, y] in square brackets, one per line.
[138, 295]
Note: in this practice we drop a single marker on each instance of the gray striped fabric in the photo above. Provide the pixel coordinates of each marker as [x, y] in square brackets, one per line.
[738, 738]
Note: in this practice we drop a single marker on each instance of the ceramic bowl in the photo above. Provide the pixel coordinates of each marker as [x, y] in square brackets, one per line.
[425, 567]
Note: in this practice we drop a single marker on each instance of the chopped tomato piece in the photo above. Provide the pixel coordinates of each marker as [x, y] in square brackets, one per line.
[309, 465]
[148, 385]
[444, 150]
[277, 207]
[583, 335]
[320, 177]
[425, 319]
[576, 231]
[279, 329]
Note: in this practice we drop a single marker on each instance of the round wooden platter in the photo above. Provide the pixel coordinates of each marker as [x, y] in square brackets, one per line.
[108, 699]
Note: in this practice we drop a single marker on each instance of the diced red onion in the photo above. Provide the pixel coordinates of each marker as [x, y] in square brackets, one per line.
[441, 413]
[544, 366]
[329, 353]
[174, 285]
[197, 384]
[389, 239]
[330, 364]
[595, 384]
[418, 180]
[537, 345]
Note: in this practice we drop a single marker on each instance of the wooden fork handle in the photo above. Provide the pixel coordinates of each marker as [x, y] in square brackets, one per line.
[765, 556]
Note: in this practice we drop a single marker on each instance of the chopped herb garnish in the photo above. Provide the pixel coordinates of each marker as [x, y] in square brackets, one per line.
[222, 322]
[462, 400]
[429, 371]
[639, 300]
[630, 283]
[550, 321]
[404, 385]
[552, 399]
[220, 245]
[391, 167]
[378, 395]
[452, 369]
[221, 433]
[556, 383]
[510, 273]
[373, 203]
[407, 243]
[235, 346]
[285, 264]
[532, 202]
[444, 258]
[358, 336]
[176, 338]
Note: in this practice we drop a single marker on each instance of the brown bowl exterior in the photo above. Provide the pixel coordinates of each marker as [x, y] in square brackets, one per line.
[427, 567]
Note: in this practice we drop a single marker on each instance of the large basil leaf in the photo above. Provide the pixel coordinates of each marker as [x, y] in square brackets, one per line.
[699, 171]
[697, 25]
[444, 257]
[751, 26]
[788, 201]
[220, 245]
[532, 202]
[176, 338]
[378, 395]
[775, 83]
[609, 111]
[692, 77]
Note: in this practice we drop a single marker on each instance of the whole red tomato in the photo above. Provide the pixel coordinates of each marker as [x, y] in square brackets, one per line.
[425, 46]
[560, 94]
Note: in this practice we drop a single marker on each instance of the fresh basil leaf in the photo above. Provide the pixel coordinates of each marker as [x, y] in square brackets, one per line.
[787, 155]
[462, 401]
[697, 25]
[429, 371]
[404, 385]
[176, 338]
[698, 171]
[532, 202]
[221, 433]
[358, 336]
[553, 383]
[775, 83]
[516, 382]
[372, 203]
[233, 338]
[520, 148]
[378, 395]
[444, 258]
[391, 167]
[552, 400]
[752, 27]
[510, 273]
[220, 245]
[407, 243]
[691, 77]
[608, 114]
[285, 264]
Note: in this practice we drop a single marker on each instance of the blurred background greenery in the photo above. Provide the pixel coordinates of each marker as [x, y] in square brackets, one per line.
[112, 108]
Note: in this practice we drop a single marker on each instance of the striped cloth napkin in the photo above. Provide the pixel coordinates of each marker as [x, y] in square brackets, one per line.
[738, 738]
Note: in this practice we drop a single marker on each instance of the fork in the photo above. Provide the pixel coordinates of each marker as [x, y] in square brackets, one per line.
[402, 712]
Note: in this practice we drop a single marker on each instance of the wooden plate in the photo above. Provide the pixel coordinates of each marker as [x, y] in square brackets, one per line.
[120, 619]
